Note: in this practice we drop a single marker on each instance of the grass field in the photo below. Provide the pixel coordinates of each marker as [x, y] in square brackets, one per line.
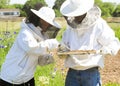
[49, 75]
[116, 28]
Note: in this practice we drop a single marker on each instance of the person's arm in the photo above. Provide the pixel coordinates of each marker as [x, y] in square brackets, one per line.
[29, 44]
[110, 43]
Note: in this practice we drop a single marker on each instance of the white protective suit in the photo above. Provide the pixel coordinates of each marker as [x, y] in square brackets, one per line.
[93, 34]
[22, 59]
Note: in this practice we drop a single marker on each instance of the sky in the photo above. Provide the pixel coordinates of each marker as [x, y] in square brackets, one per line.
[23, 1]
[116, 1]
[17, 1]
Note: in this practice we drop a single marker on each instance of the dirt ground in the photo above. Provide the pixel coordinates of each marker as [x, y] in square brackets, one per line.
[110, 73]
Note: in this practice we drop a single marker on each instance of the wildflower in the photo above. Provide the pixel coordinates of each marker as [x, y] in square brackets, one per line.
[5, 46]
[15, 32]
[2, 46]
[53, 74]
[62, 69]
[55, 69]
[1, 39]
[44, 80]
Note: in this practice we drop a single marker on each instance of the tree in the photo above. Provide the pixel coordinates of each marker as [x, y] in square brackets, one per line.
[58, 3]
[4, 3]
[30, 4]
[107, 9]
[56, 7]
[116, 12]
[98, 2]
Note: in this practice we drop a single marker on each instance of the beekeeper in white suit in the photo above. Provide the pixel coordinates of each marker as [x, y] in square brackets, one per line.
[86, 30]
[30, 47]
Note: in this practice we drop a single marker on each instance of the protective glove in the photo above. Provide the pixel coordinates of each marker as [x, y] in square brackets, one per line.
[53, 44]
[45, 59]
[62, 48]
[104, 51]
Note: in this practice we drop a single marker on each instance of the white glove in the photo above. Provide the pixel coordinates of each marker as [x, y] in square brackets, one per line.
[104, 51]
[62, 48]
[53, 44]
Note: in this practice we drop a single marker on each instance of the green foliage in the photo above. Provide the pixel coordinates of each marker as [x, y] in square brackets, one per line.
[18, 6]
[29, 5]
[4, 3]
[116, 13]
[58, 3]
[56, 7]
[54, 76]
[33, 2]
[111, 84]
[6, 40]
[107, 9]
[116, 28]
[98, 2]
[57, 13]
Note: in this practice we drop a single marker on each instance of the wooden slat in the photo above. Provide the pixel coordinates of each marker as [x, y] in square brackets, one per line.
[77, 52]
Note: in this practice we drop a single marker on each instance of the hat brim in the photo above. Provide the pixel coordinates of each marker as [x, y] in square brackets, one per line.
[53, 23]
[82, 9]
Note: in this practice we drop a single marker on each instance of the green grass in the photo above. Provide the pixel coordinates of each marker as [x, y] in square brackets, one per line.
[111, 84]
[55, 77]
[6, 41]
[50, 74]
[116, 28]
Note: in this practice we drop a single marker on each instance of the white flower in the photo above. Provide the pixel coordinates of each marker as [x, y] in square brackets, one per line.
[44, 80]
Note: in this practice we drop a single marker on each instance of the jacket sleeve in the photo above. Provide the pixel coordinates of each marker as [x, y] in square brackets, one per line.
[66, 37]
[29, 44]
[110, 43]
